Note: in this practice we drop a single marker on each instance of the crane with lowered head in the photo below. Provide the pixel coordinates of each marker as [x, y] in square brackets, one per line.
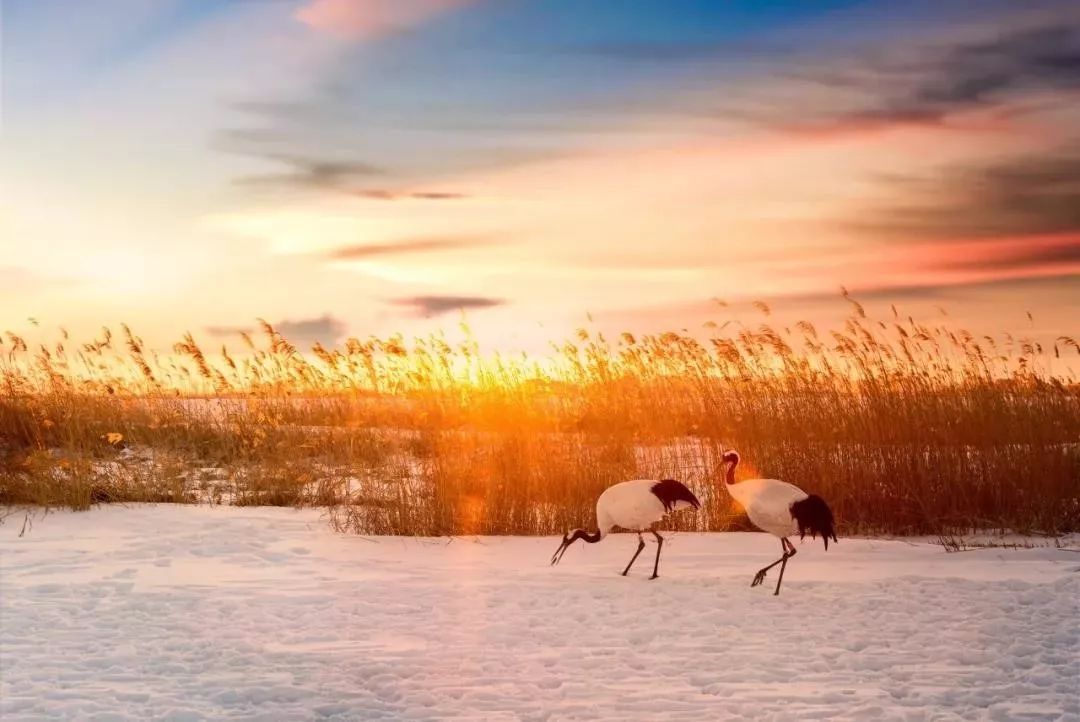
[635, 505]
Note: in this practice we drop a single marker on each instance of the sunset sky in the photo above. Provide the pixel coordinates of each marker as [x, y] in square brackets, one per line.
[356, 167]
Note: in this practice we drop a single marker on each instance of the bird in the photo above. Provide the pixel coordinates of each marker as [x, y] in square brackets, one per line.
[781, 509]
[635, 505]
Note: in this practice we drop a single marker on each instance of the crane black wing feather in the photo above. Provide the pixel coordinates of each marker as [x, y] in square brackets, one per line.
[670, 492]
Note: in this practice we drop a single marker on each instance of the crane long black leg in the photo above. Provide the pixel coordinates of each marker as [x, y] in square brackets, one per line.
[656, 565]
[760, 576]
[640, 546]
[790, 552]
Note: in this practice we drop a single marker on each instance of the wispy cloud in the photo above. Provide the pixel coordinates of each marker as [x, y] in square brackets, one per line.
[438, 305]
[938, 292]
[19, 279]
[312, 173]
[1016, 195]
[929, 83]
[415, 245]
[976, 74]
[392, 146]
[304, 170]
[325, 329]
[1059, 254]
[659, 51]
[227, 331]
[382, 194]
[361, 19]
[16, 278]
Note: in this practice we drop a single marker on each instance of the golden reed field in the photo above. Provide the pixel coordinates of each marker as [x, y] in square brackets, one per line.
[906, 428]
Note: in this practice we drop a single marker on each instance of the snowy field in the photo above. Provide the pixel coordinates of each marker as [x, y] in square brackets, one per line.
[189, 613]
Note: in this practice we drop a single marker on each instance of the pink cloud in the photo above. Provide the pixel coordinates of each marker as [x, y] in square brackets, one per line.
[360, 19]
[956, 263]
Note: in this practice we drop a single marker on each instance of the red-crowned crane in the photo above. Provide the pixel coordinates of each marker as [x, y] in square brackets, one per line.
[781, 509]
[635, 506]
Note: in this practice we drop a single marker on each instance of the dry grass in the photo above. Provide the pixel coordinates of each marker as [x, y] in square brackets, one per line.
[905, 428]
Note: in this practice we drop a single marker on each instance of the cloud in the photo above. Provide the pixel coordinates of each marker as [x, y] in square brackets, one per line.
[304, 169]
[17, 278]
[1016, 195]
[416, 245]
[930, 83]
[311, 173]
[939, 292]
[363, 19]
[1027, 254]
[321, 139]
[438, 305]
[382, 194]
[226, 331]
[652, 52]
[324, 329]
[975, 74]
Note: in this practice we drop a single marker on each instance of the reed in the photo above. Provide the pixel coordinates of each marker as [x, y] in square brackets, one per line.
[905, 427]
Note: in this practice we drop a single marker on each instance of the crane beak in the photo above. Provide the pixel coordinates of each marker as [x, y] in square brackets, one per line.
[560, 551]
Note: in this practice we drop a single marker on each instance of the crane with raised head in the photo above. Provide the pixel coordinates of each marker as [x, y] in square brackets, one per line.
[781, 509]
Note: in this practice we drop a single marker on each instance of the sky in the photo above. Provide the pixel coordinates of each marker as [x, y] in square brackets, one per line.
[359, 167]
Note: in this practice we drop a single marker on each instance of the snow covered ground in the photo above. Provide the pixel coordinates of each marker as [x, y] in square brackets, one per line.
[187, 613]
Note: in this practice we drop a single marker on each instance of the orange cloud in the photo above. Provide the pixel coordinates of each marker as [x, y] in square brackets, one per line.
[360, 19]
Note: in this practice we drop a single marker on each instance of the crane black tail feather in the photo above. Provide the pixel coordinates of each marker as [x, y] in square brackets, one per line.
[813, 515]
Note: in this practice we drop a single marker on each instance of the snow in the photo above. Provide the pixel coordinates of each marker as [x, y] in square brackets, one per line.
[194, 612]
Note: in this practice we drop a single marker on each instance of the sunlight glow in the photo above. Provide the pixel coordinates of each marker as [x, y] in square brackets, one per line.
[114, 272]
